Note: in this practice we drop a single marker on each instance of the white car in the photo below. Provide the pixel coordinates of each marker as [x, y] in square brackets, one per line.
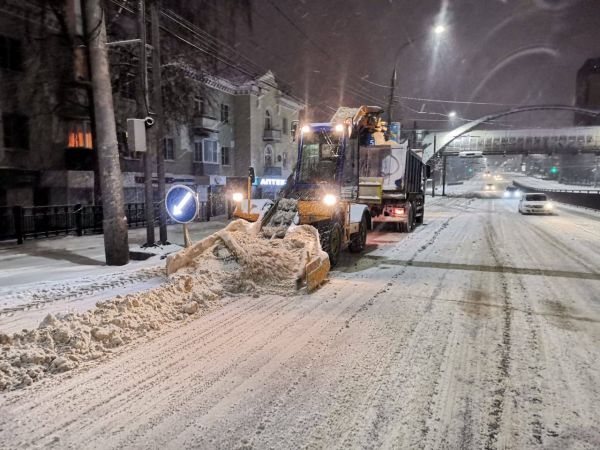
[535, 204]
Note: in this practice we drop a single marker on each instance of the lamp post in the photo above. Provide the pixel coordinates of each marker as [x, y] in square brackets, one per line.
[437, 30]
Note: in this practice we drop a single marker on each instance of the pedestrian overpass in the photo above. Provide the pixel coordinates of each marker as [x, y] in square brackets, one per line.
[567, 140]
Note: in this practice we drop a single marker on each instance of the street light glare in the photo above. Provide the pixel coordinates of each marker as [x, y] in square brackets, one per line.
[452, 114]
[439, 29]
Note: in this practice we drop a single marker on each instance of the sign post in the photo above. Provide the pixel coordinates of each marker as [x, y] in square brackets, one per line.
[182, 205]
[251, 179]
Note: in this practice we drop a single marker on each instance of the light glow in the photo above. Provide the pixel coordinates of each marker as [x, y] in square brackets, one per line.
[330, 199]
[339, 128]
[305, 129]
[439, 29]
[238, 197]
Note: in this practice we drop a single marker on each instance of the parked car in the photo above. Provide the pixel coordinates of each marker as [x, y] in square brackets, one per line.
[536, 204]
[512, 192]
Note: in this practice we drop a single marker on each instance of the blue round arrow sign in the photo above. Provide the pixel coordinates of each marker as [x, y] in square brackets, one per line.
[182, 204]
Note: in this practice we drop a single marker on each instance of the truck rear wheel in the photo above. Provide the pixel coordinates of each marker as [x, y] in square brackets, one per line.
[410, 224]
[359, 240]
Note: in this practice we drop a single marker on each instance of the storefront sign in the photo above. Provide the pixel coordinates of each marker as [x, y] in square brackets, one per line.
[270, 182]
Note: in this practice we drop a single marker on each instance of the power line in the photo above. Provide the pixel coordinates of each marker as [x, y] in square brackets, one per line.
[210, 48]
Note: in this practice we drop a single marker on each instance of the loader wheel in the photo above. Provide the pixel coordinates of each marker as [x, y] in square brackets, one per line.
[359, 240]
[332, 243]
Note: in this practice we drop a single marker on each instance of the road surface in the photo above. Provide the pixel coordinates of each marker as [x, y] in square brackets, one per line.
[481, 329]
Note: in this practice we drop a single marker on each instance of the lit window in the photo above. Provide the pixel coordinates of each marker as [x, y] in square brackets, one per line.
[80, 135]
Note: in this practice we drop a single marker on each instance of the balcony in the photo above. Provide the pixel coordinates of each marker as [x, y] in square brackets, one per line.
[272, 135]
[77, 158]
[205, 123]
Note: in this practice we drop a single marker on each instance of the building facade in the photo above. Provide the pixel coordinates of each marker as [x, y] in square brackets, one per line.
[47, 154]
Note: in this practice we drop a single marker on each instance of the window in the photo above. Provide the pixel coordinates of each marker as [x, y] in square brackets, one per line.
[267, 120]
[285, 160]
[16, 131]
[210, 151]
[169, 149]
[199, 106]
[284, 125]
[10, 54]
[224, 113]
[80, 135]
[225, 156]
[198, 151]
[268, 156]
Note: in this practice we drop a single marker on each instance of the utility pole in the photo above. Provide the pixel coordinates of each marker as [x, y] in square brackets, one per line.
[114, 222]
[391, 103]
[142, 101]
[159, 125]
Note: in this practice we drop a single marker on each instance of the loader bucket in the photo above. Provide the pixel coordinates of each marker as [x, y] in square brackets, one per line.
[316, 272]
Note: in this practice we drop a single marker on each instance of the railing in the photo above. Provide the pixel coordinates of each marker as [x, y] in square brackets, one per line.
[20, 223]
[272, 135]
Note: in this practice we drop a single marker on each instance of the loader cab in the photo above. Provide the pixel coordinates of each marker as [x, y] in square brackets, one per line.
[321, 151]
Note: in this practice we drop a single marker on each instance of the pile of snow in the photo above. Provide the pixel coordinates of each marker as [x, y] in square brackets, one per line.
[233, 261]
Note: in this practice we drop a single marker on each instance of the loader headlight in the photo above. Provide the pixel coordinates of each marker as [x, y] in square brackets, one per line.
[238, 197]
[305, 129]
[339, 128]
[330, 199]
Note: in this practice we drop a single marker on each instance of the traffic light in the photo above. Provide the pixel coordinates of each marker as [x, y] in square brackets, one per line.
[553, 170]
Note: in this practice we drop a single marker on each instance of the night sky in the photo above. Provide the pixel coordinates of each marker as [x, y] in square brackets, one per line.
[511, 52]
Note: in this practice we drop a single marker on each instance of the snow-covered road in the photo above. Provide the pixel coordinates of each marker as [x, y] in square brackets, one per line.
[479, 330]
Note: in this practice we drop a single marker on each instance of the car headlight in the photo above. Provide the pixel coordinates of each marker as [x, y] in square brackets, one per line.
[238, 197]
[548, 206]
[506, 194]
[330, 199]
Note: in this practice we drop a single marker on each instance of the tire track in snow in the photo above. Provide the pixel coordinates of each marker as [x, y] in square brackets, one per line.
[503, 367]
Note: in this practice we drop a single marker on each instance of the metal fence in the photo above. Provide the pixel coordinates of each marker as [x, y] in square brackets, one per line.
[587, 198]
[33, 222]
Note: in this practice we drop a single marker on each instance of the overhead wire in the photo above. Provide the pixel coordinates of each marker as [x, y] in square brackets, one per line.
[207, 47]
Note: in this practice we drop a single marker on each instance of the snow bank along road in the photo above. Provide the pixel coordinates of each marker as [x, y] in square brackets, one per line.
[479, 330]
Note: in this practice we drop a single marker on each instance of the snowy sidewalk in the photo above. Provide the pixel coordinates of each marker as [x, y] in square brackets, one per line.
[68, 274]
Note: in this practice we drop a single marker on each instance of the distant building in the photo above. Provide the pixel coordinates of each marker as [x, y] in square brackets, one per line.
[588, 91]
[47, 154]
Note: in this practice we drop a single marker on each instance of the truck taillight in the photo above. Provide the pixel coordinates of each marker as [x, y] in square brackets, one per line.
[398, 211]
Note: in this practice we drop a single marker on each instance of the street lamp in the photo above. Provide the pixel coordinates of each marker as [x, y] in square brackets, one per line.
[438, 30]
[452, 114]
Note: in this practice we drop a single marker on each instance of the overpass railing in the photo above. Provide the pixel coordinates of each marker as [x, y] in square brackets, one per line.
[586, 198]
